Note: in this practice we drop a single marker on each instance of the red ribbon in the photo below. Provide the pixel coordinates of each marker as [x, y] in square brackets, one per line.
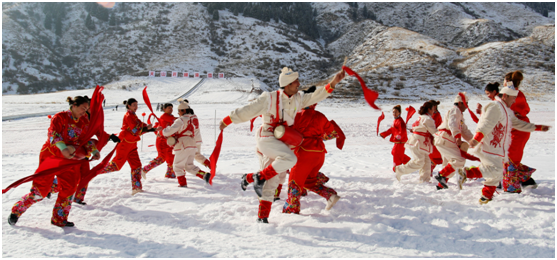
[341, 137]
[381, 117]
[369, 95]
[474, 117]
[215, 157]
[469, 156]
[148, 103]
[411, 112]
[251, 124]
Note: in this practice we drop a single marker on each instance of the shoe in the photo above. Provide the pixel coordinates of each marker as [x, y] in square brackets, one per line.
[182, 181]
[442, 180]
[244, 183]
[143, 174]
[332, 201]
[48, 195]
[262, 220]
[258, 183]
[276, 199]
[304, 192]
[135, 191]
[484, 200]
[398, 175]
[12, 219]
[68, 224]
[529, 184]
[461, 178]
[207, 177]
[80, 202]
[499, 186]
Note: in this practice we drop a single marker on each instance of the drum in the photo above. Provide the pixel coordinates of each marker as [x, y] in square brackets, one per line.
[171, 141]
[288, 135]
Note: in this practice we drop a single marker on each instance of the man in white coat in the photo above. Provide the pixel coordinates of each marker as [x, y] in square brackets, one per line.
[448, 140]
[493, 135]
[276, 108]
[184, 130]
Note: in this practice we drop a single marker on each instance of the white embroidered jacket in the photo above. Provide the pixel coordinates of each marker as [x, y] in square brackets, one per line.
[421, 132]
[182, 123]
[454, 122]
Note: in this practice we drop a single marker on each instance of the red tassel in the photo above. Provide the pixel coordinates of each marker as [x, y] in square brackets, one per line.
[381, 117]
[369, 95]
[341, 137]
[148, 103]
[215, 157]
[411, 112]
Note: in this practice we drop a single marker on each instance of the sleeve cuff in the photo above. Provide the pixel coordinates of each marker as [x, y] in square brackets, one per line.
[457, 136]
[61, 145]
[227, 121]
[479, 136]
[329, 89]
[538, 127]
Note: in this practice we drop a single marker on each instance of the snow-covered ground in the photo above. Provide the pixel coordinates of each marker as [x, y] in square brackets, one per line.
[376, 216]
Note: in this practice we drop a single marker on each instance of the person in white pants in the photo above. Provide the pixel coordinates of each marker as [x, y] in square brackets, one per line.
[448, 140]
[420, 145]
[493, 135]
[276, 108]
[183, 130]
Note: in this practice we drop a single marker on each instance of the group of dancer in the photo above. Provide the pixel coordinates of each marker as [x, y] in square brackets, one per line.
[501, 135]
[299, 152]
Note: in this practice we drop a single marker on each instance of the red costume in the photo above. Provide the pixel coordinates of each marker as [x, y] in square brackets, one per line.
[514, 171]
[435, 156]
[164, 151]
[399, 138]
[64, 130]
[315, 128]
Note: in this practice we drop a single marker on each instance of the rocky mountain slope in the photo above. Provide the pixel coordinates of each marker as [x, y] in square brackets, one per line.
[409, 46]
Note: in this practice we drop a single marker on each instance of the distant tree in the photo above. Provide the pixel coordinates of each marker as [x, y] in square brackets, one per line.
[545, 13]
[48, 21]
[89, 23]
[112, 21]
[58, 26]
[216, 15]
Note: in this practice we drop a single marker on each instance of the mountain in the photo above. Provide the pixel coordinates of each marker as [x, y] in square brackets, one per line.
[398, 47]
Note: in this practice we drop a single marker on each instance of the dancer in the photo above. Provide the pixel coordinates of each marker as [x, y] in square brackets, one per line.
[448, 140]
[398, 136]
[420, 145]
[183, 131]
[277, 108]
[63, 140]
[315, 128]
[435, 156]
[163, 149]
[493, 137]
[491, 90]
[517, 175]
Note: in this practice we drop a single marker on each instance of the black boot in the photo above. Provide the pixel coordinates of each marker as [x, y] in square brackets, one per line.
[258, 183]
[12, 219]
[48, 195]
[499, 186]
[68, 224]
[277, 198]
[244, 183]
[207, 177]
[262, 220]
[80, 202]
[529, 184]
[442, 180]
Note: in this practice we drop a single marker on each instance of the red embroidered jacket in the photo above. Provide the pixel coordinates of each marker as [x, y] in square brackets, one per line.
[437, 118]
[315, 127]
[65, 130]
[132, 128]
[165, 120]
[397, 131]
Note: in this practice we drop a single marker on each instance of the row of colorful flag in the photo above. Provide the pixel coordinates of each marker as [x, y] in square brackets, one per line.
[174, 74]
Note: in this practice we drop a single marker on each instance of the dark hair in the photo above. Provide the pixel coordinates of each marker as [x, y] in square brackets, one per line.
[77, 100]
[425, 107]
[189, 111]
[397, 107]
[167, 105]
[310, 89]
[129, 102]
[492, 87]
[434, 102]
[516, 77]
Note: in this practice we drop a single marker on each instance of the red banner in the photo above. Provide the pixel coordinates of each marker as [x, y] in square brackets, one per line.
[163, 73]
[186, 74]
[411, 112]
[210, 75]
[151, 73]
[369, 95]
[196, 75]
[215, 157]
[381, 117]
[221, 75]
[175, 74]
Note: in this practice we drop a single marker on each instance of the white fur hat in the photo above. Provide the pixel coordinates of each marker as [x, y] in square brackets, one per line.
[287, 76]
[509, 90]
[183, 104]
[458, 98]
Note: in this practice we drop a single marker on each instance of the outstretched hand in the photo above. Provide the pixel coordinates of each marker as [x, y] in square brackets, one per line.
[222, 125]
[338, 77]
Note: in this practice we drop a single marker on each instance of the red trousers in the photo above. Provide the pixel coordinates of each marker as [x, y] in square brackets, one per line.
[127, 152]
[67, 179]
[516, 150]
[165, 151]
[305, 174]
[398, 154]
[435, 156]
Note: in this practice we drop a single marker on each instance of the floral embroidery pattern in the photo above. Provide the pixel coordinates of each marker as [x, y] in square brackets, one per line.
[330, 136]
[170, 172]
[514, 174]
[136, 179]
[153, 163]
[292, 204]
[61, 211]
[498, 133]
[110, 167]
[26, 201]
[323, 191]
[80, 194]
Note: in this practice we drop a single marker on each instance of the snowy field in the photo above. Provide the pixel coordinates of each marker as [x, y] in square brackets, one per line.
[376, 216]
